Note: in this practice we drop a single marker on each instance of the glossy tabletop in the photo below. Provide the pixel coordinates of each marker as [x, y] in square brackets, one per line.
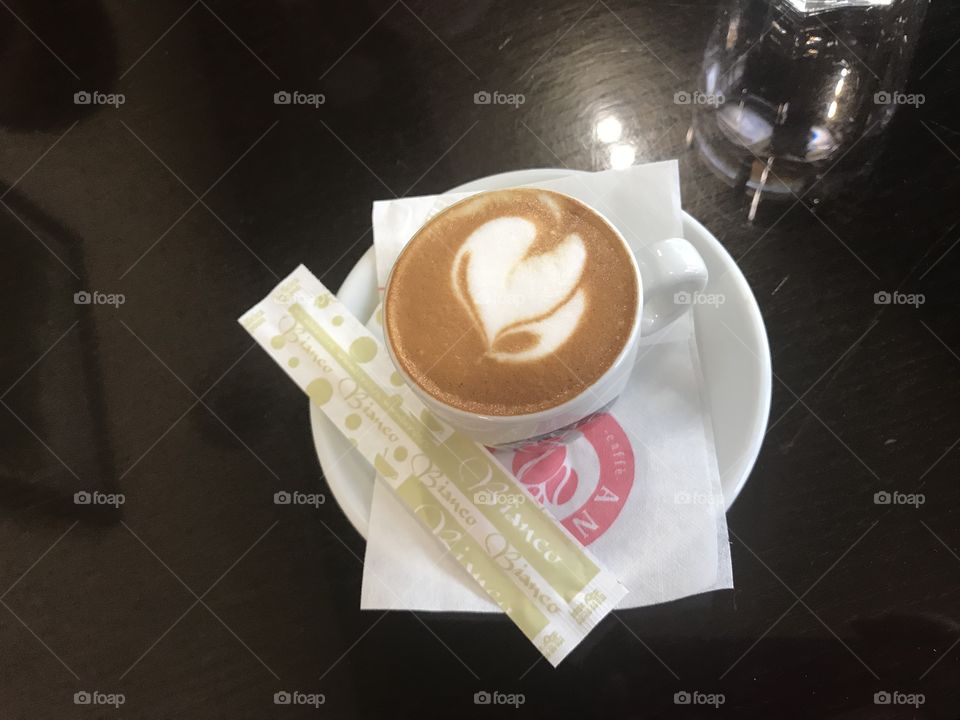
[176, 191]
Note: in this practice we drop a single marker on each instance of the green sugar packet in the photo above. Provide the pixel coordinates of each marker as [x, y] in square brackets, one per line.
[528, 563]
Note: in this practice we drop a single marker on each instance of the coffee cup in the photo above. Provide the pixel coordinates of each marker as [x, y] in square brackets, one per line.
[515, 314]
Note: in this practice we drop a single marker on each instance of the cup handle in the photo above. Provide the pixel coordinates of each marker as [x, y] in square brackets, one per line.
[672, 272]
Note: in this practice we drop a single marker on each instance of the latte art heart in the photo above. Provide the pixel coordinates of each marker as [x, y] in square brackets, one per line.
[511, 302]
[510, 292]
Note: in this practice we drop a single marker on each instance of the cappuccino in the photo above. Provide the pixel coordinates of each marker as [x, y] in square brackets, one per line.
[511, 302]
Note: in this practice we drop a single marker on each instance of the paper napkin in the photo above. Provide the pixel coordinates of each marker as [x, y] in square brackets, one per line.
[638, 485]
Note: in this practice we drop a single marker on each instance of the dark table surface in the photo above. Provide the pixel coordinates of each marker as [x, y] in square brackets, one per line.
[199, 597]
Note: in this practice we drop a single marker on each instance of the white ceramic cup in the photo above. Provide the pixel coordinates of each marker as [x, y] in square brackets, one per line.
[670, 273]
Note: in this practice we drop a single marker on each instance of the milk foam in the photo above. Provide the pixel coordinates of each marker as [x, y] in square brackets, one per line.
[511, 301]
[506, 290]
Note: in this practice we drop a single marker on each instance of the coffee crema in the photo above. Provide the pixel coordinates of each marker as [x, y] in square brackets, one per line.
[511, 302]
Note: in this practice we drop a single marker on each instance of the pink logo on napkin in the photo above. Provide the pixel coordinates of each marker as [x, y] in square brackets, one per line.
[544, 469]
[585, 484]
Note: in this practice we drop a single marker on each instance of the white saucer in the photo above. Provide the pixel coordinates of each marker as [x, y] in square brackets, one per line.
[734, 355]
